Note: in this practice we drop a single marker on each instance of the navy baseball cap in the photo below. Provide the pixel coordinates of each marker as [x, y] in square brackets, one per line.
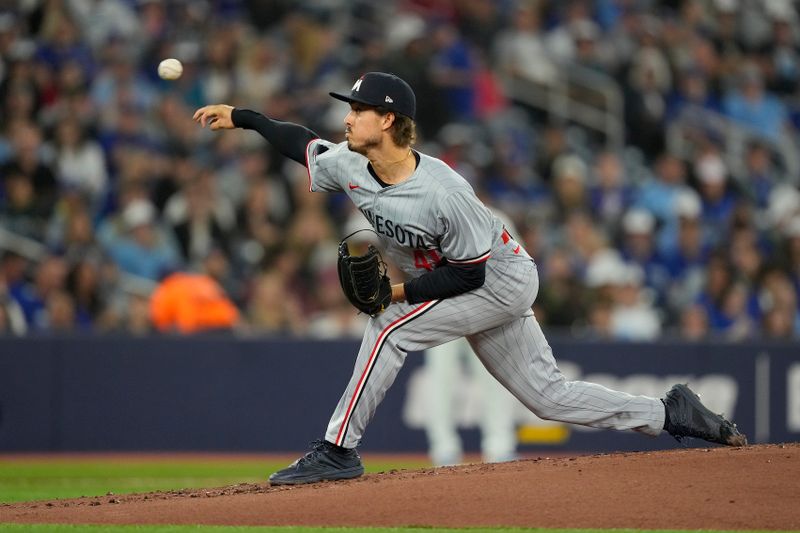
[379, 89]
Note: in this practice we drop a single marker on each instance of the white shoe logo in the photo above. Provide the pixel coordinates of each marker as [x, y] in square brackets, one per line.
[389, 100]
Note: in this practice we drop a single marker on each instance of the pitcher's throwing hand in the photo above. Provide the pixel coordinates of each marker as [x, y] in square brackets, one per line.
[218, 116]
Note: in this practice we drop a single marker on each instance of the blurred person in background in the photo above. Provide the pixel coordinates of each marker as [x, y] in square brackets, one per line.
[516, 45]
[610, 192]
[778, 301]
[112, 227]
[746, 254]
[685, 261]
[719, 276]
[781, 53]
[136, 319]
[13, 269]
[570, 176]
[453, 369]
[561, 300]
[412, 63]
[22, 98]
[753, 106]
[118, 78]
[480, 22]
[760, 174]
[145, 249]
[70, 230]
[737, 318]
[717, 199]
[201, 220]
[598, 319]
[334, 318]
[691, 93]
[12, 319]
[658, 192]
[638, 247]
[272, 308]
[582, 239]
[220, 55]
[102, 20]
[551, 143]
[257, 231]
[649, 84]
[218, 266]
[60, 316]
[261, 70]
[20, 212]
[453, 70]
[28, 160]
[49, 277]
[694, 323]
[60, 39]
[789, 251]
[84, 284]
[726, 38]
[188, 302]
[313, 61]
[80, 162]
[633, 314]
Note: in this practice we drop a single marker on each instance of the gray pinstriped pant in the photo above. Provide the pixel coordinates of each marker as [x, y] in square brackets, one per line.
[499, 324]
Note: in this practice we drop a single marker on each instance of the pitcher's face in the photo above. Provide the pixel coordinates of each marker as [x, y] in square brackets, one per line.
[363, 128]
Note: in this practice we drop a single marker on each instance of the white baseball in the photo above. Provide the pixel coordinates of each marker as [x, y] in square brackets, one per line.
[170, 69]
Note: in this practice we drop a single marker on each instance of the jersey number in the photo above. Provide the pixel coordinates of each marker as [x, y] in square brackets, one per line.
[429, 262]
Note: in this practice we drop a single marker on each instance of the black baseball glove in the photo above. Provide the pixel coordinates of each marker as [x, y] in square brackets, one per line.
[364, 279]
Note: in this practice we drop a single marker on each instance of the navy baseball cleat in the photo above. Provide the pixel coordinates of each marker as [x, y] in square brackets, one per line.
[688, 417]
[325, 461]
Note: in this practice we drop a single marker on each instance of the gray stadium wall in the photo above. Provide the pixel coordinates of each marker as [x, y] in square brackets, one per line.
[221, 393]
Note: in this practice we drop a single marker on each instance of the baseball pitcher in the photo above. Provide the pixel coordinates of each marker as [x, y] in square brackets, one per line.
[468, 277]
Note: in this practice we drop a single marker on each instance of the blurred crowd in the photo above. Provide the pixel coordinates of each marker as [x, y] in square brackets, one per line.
[118, 213]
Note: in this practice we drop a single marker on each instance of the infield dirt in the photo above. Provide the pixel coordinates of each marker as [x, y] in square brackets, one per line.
[757, 487]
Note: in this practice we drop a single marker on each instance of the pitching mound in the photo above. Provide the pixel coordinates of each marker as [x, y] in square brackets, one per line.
[703, 488]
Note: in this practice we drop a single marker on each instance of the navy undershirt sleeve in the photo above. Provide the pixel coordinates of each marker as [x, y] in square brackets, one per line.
[289, 139]
[445, 281]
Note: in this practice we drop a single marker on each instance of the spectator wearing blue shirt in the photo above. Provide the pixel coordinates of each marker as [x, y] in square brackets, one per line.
[692, 92]
[752, 106]
[638, 247]
[146, 250]
[659, 193]
[761, 176]
[454, 70]
[685, 261]
[718, 201]
[49, 278]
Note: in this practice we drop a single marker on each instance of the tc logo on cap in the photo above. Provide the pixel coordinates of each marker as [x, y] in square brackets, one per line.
[380, 89]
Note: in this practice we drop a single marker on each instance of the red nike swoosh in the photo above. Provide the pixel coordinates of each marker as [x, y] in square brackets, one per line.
[353, 186]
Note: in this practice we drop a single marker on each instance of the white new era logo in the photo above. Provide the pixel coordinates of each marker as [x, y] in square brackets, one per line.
[389, 100]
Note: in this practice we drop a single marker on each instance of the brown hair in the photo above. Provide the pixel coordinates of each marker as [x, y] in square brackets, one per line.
[403, 130]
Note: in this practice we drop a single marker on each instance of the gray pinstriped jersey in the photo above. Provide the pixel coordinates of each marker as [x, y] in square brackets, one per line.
[432, 215]
[435, 214]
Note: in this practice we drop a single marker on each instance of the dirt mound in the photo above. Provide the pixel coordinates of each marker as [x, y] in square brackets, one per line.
[701, 488]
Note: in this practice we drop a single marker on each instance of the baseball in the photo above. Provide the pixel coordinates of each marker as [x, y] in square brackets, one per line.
[170, 69]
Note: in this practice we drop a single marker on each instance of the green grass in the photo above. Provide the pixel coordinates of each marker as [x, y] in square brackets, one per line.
[45, 479]
[58, 528]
